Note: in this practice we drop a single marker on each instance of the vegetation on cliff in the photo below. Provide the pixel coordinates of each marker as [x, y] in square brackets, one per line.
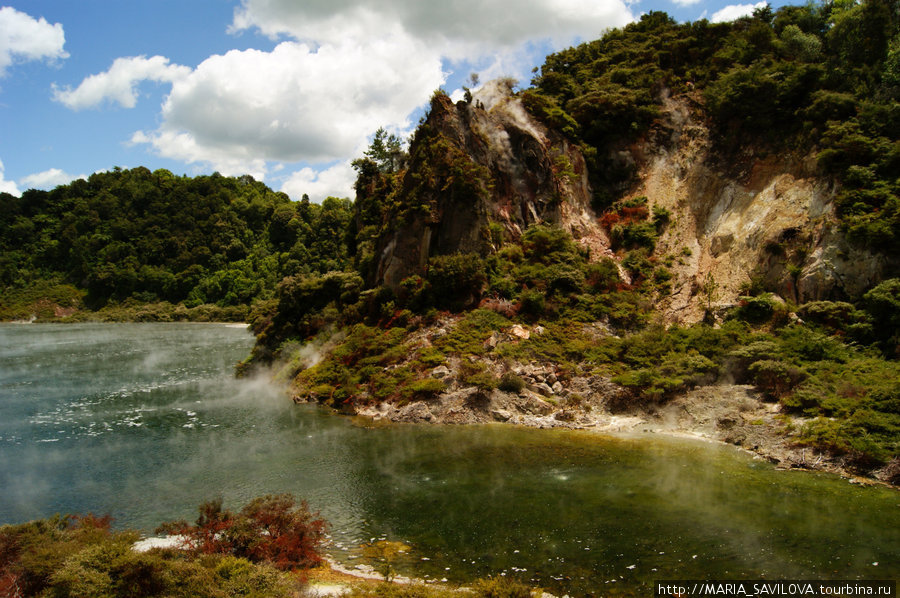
[821, 77]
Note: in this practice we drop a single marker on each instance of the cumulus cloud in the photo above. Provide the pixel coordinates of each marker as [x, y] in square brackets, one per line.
[468, 23]
[119, 83]
[293, 104]
[685, 2]
[7, 186]
[336, 181]
[343, 69]
[24, 38]
[735, 11]
[49, 179]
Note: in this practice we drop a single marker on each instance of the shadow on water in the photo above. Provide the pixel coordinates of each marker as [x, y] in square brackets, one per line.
[146, 421]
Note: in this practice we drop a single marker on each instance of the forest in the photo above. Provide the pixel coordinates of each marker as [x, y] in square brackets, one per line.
[821, 77]
[139, 237]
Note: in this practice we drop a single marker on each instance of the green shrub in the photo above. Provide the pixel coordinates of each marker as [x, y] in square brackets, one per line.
[510, 382]
[456, 280]
[469, 334]
[500, 587]
[776, 378]
[883, 305]
[755, 310]
[431, 357]
[427, 388]
[603, 276]
[532, 303]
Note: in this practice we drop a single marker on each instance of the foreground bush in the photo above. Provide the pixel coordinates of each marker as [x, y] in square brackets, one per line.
[271, 529]
[69, 556]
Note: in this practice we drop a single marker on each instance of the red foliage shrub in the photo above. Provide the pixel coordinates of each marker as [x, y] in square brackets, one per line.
[608, 220]
[271, 528]
[634, 214]
[504, 307]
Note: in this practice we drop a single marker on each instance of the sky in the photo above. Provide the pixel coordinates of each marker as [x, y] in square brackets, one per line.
[288, 91]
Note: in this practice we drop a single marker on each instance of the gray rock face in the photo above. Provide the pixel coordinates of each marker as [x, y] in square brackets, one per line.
[440, 371]
[543, 388]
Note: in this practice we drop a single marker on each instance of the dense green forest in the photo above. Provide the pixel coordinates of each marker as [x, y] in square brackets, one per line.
[822, 78]
[146, 237]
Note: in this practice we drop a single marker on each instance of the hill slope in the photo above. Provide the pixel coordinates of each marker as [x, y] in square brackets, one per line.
[526, 259]
[135, 237]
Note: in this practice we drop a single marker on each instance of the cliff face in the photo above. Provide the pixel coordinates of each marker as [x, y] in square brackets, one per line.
[487, 163]
[482, 163]
[769, 219]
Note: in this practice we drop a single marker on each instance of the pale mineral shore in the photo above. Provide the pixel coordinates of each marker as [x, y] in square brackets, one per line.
[725, 413]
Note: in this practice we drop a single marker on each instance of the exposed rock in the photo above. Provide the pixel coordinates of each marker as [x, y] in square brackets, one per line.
[565, 416]
[415, 412]
[515, 179]
[501, 415]
[520, 332]
[542, 388]
[440, 371]
[495, 339]
[764, 217]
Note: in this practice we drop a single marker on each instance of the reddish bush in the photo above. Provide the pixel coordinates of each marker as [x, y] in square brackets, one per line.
[608, 220]
[273, 529]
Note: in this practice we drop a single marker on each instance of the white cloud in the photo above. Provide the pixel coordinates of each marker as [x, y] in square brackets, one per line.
[294, 103]
[345, 68]
[118, 84]
[735, 11]
[48, 179]
[685, 2]
[472, 23]
[7, 186]
[336, 181]
[24, 38]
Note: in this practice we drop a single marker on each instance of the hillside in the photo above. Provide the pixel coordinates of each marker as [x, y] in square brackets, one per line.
[151, 245]
[676, 227]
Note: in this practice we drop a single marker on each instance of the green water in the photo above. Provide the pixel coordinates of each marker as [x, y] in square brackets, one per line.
[145, 421]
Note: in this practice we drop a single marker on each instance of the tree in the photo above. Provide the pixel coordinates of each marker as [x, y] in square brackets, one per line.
[386, 151]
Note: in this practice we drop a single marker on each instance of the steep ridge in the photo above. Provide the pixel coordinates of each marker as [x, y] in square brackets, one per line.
[515, 172]
[768, 220]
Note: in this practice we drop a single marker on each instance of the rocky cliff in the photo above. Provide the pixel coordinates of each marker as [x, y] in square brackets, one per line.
[763, 219]
[759, 219]
[480, 163]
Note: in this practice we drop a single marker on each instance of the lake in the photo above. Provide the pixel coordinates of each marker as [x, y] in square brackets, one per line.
[146, 421]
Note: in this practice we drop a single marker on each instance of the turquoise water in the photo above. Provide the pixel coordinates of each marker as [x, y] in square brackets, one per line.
[145, 422]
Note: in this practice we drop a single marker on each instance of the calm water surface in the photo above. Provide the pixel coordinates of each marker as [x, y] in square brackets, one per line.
[145, 421]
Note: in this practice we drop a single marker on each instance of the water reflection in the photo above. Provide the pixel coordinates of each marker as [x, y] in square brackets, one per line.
[146, 422]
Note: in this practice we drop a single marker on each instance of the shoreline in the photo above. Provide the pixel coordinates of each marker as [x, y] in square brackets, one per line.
[733, 415]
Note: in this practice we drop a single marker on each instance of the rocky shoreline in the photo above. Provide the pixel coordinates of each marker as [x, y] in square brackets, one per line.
[727, 413]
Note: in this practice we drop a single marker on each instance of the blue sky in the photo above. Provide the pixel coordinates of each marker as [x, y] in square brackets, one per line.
[289, 91]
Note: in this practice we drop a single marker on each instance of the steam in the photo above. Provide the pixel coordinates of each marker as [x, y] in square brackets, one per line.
[497, 97]
[297, 357]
